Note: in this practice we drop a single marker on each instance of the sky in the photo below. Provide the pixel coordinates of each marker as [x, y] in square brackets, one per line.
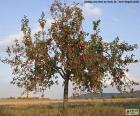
[121, 20]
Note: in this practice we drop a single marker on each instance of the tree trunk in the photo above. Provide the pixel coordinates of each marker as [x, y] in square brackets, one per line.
[65, 99]
[27, 95]
[42, 95]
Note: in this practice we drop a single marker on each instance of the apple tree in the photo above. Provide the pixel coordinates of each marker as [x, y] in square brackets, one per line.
[64, 51]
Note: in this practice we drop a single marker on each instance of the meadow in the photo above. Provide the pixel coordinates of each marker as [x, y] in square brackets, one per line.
[77, 107]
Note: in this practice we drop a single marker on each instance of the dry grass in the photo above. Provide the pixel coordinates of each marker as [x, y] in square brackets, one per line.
[44, 110]
[46, 101]
[86, 107]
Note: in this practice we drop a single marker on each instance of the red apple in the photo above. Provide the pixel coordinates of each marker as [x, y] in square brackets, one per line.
[83, 58]
[82, 46]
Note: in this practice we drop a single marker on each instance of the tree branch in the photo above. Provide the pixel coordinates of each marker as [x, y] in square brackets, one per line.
[61, 73]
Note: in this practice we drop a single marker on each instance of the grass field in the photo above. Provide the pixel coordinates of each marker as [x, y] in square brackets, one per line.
[86, 107]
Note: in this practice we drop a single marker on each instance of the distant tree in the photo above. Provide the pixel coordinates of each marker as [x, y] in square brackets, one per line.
[66, 52]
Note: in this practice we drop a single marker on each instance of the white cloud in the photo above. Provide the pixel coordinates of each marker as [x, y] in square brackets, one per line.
[49, 21]
[8, 40]
[128, 75]
[131, 77]
[136, 79]
[89, 10]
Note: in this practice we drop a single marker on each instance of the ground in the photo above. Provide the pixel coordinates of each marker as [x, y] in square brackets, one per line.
[77, 107]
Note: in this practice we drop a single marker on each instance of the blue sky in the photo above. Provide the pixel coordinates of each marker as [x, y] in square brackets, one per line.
[121, 20]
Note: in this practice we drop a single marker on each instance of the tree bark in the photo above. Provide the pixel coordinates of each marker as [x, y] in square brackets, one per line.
[27, 95]
[65, 98]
